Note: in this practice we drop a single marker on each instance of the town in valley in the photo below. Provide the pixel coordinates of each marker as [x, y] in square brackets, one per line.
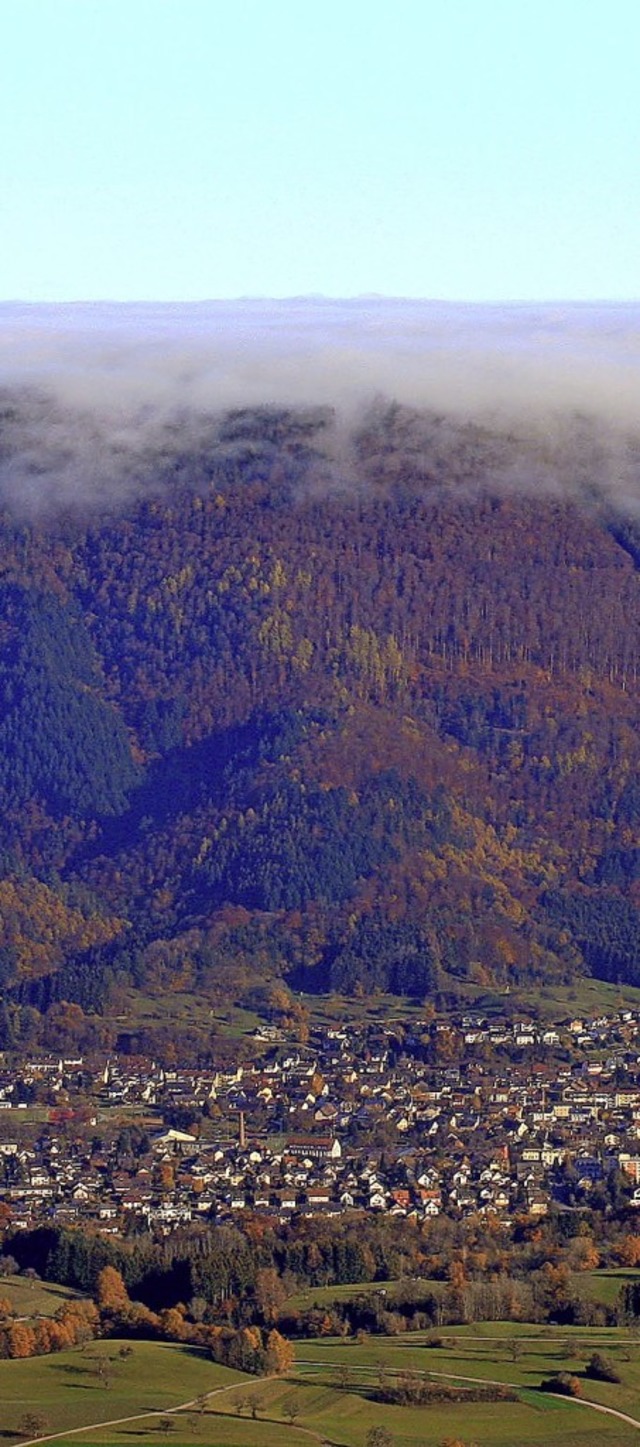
[460, 1116]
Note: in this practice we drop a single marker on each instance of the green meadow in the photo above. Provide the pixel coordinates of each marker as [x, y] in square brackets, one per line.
[35, 1298]
[604, 1285]
[137, 1010]
[406, 1289]
[95, 1383]
[329, 1395]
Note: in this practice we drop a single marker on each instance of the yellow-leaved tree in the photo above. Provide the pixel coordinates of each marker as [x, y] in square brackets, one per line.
[280, 1355]
[111, 1292]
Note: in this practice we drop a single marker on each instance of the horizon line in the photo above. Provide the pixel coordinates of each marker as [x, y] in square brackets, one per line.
[320, 297]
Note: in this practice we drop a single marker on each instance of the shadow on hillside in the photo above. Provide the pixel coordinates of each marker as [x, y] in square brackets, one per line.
[186, 777]
[85, 1386]
[73, 1369]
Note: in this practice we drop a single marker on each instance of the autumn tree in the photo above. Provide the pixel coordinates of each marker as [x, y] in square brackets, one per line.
[457, 1275]
[564, 1383]
[582, 1254]
[245, 1351]
[111, 1292]
[601, 1368]
[172, 1324]
[21, 1341]
[629, 1250]
[46, 1334]
[279, 1353]
[269, 1292]
[80, 1319]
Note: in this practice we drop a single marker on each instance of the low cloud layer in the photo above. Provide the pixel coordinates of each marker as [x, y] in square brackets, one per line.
[93, 396]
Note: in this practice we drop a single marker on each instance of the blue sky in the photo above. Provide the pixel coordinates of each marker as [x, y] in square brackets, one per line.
[187, 149]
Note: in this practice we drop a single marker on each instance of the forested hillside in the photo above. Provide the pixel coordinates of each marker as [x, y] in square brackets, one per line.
[351, 714]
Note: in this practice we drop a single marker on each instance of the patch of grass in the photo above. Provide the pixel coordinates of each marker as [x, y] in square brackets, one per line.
[376, 1008]
[406, 1289]
[583, 997]
[23, 1116]
[216, 1431]
[36, 1298]
[137, 1009]
[605, 1285]
[67, 1389]
[482, 1351]
[344, 1415]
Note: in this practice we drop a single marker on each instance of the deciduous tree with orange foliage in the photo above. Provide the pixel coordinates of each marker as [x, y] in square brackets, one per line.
[629, 1250]
[21, 1341]
[111, 1292]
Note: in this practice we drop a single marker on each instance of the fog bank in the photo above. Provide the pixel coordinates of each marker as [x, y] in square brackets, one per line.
[92, 393]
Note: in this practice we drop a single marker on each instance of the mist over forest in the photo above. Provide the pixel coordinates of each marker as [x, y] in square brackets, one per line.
[319, 653]
[102, 402]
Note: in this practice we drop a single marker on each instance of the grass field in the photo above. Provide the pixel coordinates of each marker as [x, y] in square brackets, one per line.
[138, 1009]
[327, 1395]
[407, 1289]
[484, 1351]
[604, 1285]
[28, 1115]
[35, 1298]
[584, 997]
[67, 1389]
